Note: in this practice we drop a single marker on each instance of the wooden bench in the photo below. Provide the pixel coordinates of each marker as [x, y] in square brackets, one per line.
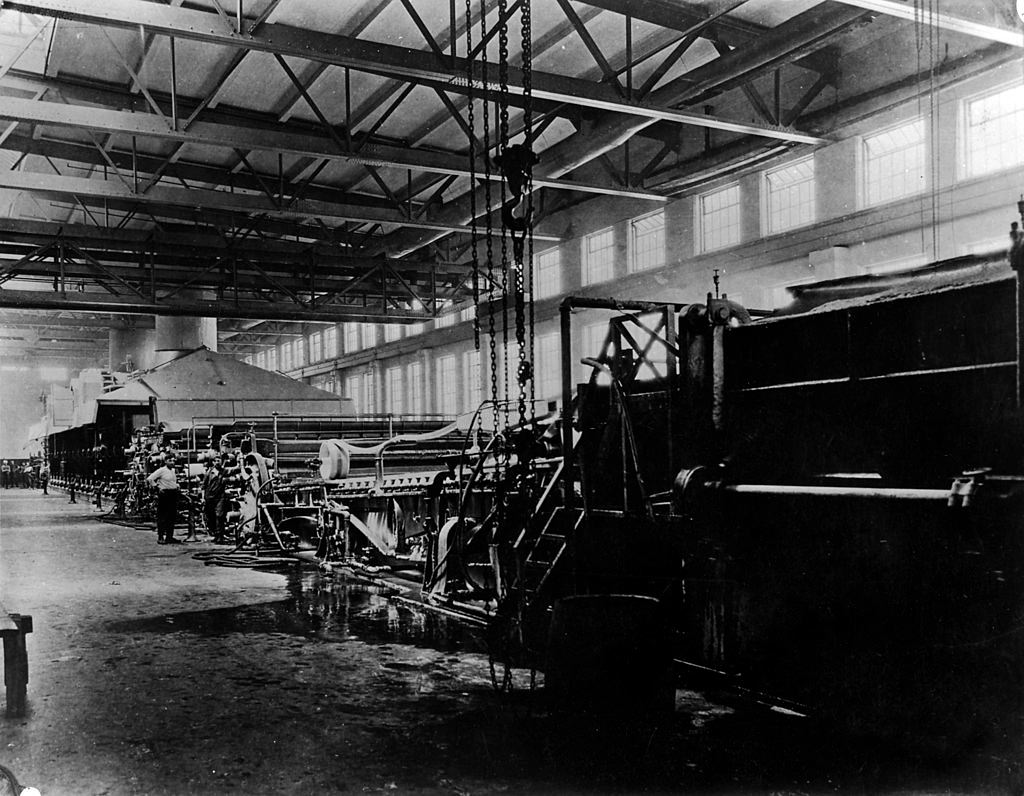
[13, 629]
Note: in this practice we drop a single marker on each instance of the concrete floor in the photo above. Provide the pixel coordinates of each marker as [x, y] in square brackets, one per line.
[151, 673]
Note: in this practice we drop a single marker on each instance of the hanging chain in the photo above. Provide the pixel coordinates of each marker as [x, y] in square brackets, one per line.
[488, 209]
[526, 336]
[475, 257]
[502, 147]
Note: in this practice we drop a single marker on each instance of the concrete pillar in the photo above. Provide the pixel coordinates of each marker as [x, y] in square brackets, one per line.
[131, 349]
[178, 335]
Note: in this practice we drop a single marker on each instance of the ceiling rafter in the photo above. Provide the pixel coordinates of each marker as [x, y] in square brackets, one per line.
[200, 199]
[404, 62]
[923, 15]
[277, 141]
[802, 34]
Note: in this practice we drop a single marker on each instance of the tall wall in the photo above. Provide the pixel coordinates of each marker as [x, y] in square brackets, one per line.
[956, 215]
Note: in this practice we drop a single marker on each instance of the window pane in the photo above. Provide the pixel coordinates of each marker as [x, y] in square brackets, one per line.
[720, 218]
[894, 163]
[471, 380]
[648, 241]
[396, 391]
[416, 388]
[354, 390]
[598, 257]
[547, 352]
[370, 392]
[330, 342]
[445, 385]
[791, 201]
[547, 280]
[351, 337]
[993, 132]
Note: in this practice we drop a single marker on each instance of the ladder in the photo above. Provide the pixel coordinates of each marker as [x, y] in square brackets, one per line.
[543, 553]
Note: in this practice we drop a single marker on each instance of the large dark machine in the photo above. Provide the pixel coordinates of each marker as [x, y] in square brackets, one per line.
[827, 502]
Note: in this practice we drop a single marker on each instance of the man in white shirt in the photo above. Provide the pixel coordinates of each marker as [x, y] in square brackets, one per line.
[166, 482]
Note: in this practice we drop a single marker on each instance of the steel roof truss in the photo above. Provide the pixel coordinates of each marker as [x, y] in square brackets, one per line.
[407, 63]
[610, 77]
[428, 37]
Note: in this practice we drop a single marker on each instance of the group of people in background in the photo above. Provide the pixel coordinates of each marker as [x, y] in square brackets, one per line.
[31, 474]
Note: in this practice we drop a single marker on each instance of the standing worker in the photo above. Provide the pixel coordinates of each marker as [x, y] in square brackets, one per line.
[214, 499]
[166, 482]
[5, 474]
[44, 475]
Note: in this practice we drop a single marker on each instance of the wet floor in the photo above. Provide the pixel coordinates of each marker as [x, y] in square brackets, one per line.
[328, 608]
[154, 674]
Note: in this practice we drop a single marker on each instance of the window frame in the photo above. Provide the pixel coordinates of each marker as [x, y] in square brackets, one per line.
[548, 373]
[315, 344]
[394, 380]
[864, 160]
[546, 285]
[472, 380]
[701, 221]
[330, 337]
[351, 335]
[415, 387]
[446, 384]
[767, 227]
[587, 276]
[964, 172]
[633, 266]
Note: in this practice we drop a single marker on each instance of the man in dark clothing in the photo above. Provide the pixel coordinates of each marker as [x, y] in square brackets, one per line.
[214, 499]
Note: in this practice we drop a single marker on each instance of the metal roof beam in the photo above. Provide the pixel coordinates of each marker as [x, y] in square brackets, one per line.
[922, 15]
[713, 24]
[804, 33]
[296, 229]
[257, 310]
[60, 186]
[58, 149]
[277, 141]
[404, 62]
[677, 16]
[252, 275]
[197, 243]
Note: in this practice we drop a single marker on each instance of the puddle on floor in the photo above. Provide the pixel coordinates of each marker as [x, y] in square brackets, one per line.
[325, 607]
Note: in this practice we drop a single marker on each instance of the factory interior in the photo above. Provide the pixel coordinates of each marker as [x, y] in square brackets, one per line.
[511, 396]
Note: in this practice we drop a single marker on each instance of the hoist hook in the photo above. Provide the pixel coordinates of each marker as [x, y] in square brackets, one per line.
[516, 162]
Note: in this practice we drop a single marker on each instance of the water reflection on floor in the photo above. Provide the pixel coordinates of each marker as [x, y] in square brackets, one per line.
[437, 663]
[328, 608]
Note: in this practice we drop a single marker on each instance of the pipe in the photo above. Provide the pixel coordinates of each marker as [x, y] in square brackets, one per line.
[885, 493]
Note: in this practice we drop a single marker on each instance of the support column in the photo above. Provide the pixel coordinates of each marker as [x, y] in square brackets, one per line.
[176, 336]
[131, 348]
